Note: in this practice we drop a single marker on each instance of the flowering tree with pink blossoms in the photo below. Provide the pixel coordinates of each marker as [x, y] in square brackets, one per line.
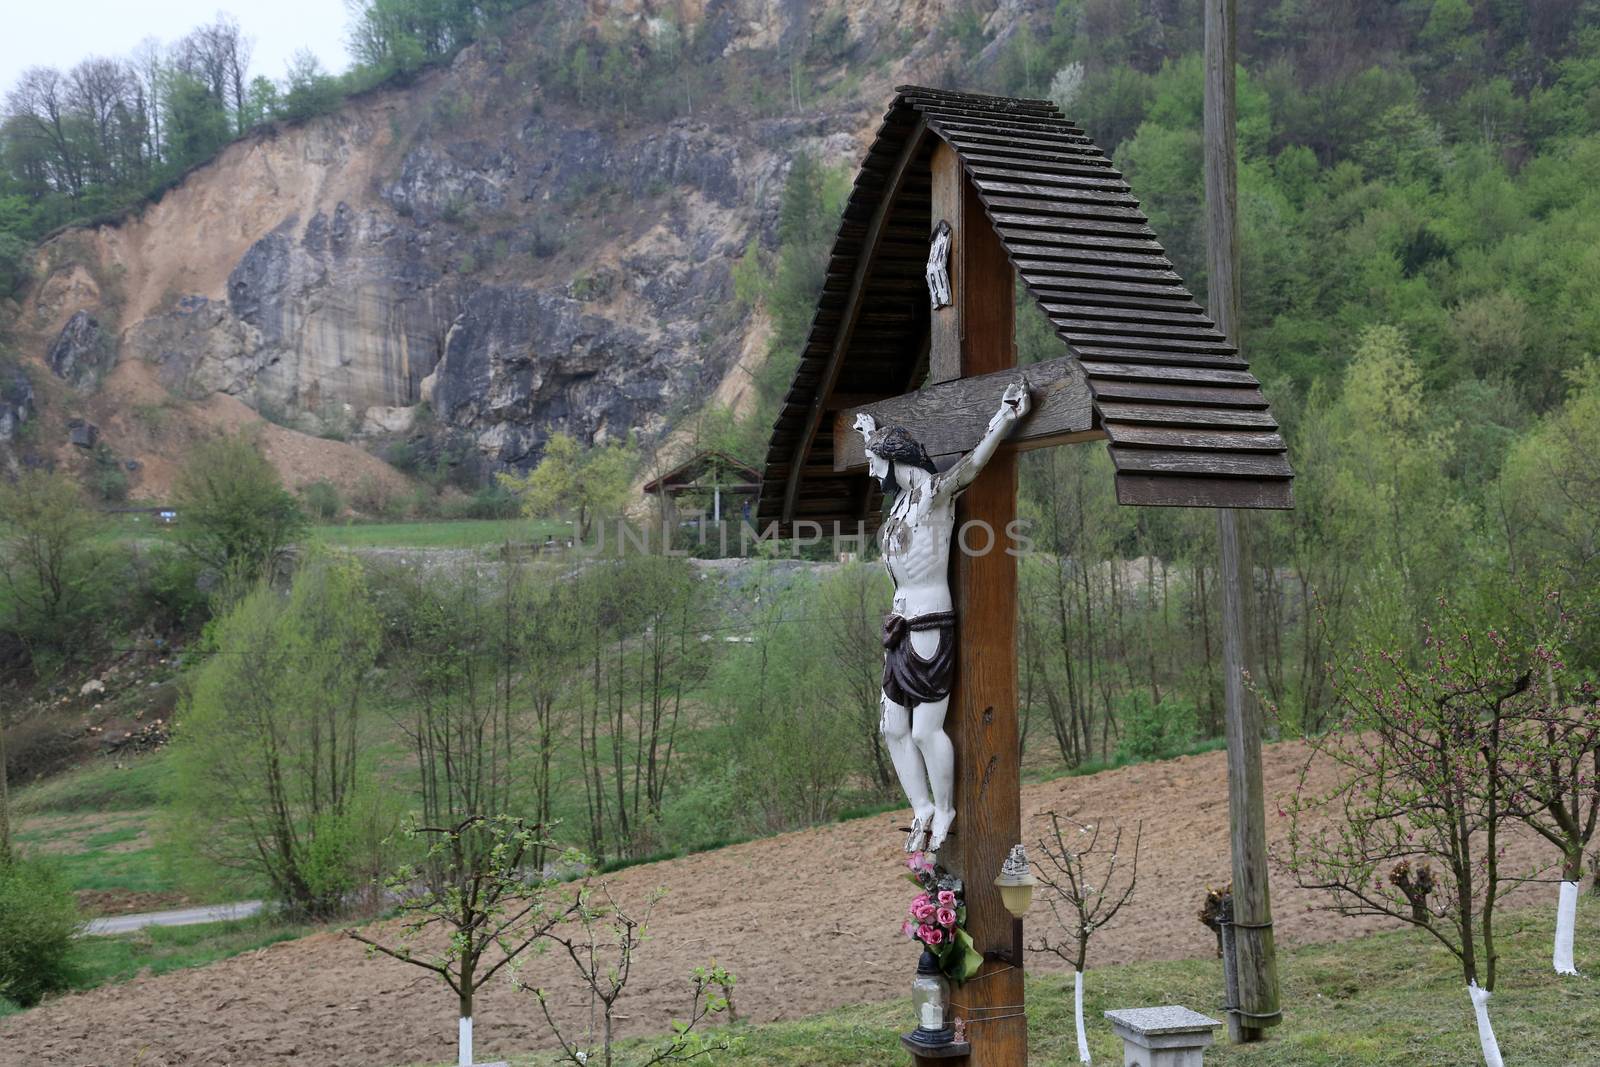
[1411, 829]
[1552, 780]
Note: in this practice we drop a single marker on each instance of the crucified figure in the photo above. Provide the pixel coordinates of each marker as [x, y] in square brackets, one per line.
[919, 636]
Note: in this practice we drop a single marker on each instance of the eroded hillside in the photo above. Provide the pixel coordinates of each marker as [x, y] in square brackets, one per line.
[466, 263]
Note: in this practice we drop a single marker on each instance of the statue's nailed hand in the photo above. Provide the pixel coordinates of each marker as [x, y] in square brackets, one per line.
[865, 425]
[1014, 403]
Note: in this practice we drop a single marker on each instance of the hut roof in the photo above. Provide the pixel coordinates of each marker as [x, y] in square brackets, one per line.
[1186, 421]
[743, 476]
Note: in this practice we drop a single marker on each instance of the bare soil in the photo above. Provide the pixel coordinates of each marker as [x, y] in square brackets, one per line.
[808, 921]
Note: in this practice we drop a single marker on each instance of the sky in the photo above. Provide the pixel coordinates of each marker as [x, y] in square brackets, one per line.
[59, 33]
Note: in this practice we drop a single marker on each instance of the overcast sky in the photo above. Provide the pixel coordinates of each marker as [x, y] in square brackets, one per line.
[59, 33]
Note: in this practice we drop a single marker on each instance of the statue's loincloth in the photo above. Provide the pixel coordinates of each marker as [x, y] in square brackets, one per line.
[908, 679]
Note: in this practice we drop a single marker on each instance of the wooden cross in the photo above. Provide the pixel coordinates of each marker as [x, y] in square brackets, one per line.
[972, 357]
[1025, 194]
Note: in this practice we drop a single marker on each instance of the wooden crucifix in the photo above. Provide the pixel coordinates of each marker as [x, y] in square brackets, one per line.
[1001, 190]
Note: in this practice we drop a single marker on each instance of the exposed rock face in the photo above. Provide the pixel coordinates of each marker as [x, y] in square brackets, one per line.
[82, 352]
[519, 263]
[16, 402]
[516, 363]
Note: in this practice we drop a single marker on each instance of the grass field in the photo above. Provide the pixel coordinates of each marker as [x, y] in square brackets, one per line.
[100, 824]
[1386, 1000]
[463, 533]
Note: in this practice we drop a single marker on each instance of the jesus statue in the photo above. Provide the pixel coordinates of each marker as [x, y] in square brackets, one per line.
[919, 636]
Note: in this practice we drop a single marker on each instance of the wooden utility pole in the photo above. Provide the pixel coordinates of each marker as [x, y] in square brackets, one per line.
[5, 797]
[983, 709]
[1252, 905]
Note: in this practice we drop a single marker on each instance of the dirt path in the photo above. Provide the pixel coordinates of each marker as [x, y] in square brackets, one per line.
[783, 913]
[215, 913]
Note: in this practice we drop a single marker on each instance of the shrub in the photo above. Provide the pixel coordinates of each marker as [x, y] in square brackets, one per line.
[493, 501]
[322, 500]
[423, 503]
[172, 590]
[38, 920]
[38, 747]
[1150, 731]
[235, 514]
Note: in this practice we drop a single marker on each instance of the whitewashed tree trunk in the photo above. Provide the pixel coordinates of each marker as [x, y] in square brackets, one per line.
[1566, 921]
[464, 1043]
[1077, 997]
[1480, 1007]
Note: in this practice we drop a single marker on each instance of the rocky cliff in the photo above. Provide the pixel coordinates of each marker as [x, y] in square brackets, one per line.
[470, 261]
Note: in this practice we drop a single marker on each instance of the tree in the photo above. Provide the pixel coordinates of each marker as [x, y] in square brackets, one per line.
[5, 796]
[1422, 756]
[196, 121]
[1086, 885]
[38, 922]
[1552, 782]
[309, 90]
[50, 569]
[233, 511]
[475, 883]
[1548, 504]
[602, 952]
[636, 655]
[852, 603]
[792, 733]
[592, 480]
[272, 780]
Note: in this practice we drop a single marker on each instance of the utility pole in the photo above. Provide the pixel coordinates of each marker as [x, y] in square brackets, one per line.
[1252, 906]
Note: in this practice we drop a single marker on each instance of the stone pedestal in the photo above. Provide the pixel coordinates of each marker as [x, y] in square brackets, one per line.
[1172, 1036]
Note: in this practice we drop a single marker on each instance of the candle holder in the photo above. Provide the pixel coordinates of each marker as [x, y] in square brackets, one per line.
[929, 995]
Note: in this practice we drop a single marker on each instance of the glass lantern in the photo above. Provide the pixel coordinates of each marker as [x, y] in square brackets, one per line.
[929, 995]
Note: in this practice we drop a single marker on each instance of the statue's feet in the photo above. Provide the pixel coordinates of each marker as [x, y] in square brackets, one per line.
[917, 840]
[939, 829]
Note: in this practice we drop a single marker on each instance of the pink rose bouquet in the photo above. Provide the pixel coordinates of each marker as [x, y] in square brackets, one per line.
[938, 917]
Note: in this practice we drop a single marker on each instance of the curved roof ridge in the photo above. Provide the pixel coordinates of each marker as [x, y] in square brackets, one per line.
[1186, 421]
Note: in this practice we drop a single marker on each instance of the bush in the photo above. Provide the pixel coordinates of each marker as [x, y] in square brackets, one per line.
[235, 514]
[493, 501]
[322, 500]
[38, 747]
[173, 594]
[38, 920]
[1151, 731]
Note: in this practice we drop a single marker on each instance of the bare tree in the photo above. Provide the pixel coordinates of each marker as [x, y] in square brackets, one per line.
[476, 887]
[149, 67]
[100, 93]
[1086, 885]
[218, 56]
[38, 110]
[602, 950]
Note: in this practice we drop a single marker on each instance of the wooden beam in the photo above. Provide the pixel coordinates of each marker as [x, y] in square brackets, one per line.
[983, 712]
[945, 326]
[1255, 949]
[951, 418]
[852, 311]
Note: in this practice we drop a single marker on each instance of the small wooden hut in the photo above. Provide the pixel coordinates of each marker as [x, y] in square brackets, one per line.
[719, 485]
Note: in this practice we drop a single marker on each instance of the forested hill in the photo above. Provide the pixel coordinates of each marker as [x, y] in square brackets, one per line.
[512, 218]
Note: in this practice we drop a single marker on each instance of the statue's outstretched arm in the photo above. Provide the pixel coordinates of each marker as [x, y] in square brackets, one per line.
[1014, 404]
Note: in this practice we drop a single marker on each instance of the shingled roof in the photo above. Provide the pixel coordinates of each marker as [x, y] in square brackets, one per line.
[1186, 420]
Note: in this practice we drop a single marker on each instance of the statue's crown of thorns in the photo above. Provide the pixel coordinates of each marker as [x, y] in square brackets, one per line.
[895, 443]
